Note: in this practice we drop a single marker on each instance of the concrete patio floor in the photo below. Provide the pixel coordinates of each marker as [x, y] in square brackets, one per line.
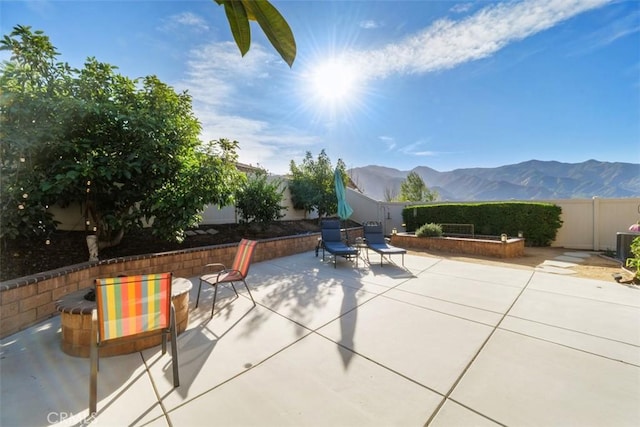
[440, 342]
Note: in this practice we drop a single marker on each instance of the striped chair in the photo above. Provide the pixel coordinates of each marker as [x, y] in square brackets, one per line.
[238, 271]
[131, 307]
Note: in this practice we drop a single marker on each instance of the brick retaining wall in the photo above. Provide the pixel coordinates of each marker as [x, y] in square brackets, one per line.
[29, 300]
[512, 248]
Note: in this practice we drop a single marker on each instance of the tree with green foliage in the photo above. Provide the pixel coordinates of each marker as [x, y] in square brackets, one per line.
[259, 199]
[312, 184]
[413, 189]
[275, 27]
[123, 149]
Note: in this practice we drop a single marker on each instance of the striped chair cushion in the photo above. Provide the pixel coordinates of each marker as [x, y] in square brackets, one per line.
[131, 305]
[242, 261]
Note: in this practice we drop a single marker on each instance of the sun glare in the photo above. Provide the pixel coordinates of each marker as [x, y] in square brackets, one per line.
[332, 89]
[334, 81]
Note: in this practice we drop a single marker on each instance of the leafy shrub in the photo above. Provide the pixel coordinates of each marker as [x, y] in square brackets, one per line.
[429, 230]
[635, 261]
[258, 199]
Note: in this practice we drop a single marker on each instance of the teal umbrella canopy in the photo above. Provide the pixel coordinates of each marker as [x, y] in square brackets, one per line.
[344, 210]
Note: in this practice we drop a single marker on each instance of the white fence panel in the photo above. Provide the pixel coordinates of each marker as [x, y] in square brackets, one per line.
[593, 223]
[214, 215]
[577, 224]
[368, 209]
[291, 214]
[617, 215]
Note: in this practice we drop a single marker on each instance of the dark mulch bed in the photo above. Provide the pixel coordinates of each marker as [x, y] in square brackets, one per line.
[23, 258]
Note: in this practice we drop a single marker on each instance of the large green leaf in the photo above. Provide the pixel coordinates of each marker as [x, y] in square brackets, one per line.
[239, 24]
[275, 27]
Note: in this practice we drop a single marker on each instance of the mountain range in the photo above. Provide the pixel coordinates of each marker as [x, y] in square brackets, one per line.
[530, 180]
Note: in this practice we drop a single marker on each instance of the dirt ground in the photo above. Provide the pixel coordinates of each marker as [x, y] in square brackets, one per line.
[22, 258]
[19, 258]
[595, 267]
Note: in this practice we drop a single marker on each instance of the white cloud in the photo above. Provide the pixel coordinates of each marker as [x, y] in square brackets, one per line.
[370, 24]
[260, 142]
[42, 8]
[221, 81]
[390, 142]
[618, 28]
[424, 153]
[414, 150]
[215, 72]
[461, 7]
[185, 19]
[447, 43]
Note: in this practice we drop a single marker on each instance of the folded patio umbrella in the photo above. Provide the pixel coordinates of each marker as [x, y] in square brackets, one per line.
[344, 210]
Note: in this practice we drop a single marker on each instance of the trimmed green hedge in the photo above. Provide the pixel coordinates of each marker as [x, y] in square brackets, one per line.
[539, 222]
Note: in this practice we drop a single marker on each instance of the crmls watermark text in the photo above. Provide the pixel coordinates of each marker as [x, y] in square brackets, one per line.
[69, 418]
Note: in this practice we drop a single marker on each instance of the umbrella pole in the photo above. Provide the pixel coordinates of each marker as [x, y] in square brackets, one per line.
[346, 232]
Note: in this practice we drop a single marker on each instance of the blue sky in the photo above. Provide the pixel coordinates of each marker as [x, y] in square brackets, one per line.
[443, 84]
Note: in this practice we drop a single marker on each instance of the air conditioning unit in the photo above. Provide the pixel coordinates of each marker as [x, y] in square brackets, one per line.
[623, 244]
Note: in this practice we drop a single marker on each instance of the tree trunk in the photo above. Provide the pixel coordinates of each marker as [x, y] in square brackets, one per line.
[92, 244]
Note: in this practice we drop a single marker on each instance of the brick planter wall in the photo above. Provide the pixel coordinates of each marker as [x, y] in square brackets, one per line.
[29, 300]
[512, 248]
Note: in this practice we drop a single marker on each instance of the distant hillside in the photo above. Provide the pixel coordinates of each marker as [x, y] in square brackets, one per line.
[531, 180]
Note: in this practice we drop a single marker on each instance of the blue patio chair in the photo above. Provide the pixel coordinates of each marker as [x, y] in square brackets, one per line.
[375, 240]
[332, 242]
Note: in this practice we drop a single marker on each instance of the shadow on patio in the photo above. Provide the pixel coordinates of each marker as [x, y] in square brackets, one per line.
[443, 342]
